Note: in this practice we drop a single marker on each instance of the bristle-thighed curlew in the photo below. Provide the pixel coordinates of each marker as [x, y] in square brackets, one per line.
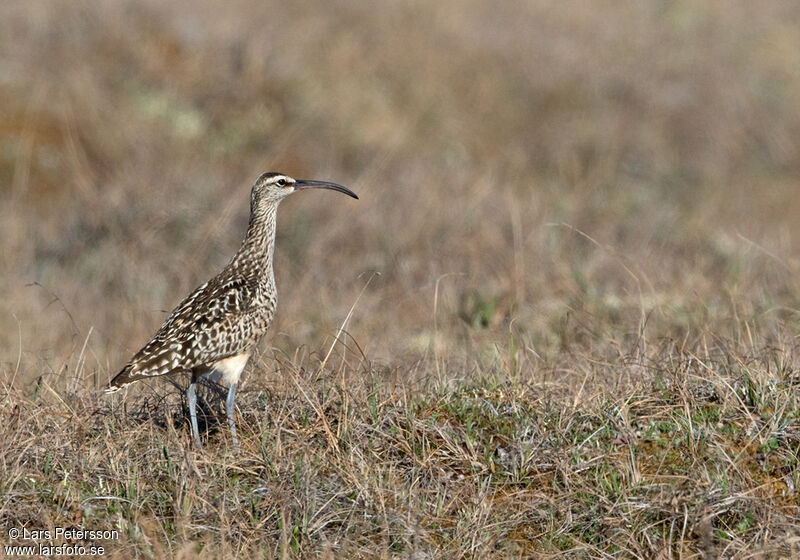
[214, 330]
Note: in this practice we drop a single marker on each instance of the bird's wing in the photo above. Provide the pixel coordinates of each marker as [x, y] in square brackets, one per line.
[201, 330]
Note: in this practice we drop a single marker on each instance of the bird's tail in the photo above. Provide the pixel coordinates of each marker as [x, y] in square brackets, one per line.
[119, 381]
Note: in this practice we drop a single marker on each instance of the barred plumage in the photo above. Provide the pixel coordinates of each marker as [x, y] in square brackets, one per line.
[216, 327]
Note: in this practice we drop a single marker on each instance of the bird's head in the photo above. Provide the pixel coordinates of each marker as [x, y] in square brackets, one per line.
[271, 188]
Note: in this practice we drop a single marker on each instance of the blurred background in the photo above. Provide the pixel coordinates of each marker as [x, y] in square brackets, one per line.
[537, 179]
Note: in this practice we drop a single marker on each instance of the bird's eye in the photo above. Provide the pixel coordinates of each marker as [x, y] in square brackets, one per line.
[281, 182]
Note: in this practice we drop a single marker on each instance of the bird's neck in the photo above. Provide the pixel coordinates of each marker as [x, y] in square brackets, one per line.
[258, 246]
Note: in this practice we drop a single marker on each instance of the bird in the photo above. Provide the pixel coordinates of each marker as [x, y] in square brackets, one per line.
[213, 331]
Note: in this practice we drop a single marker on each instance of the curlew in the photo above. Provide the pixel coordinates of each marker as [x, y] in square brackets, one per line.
[213, 331]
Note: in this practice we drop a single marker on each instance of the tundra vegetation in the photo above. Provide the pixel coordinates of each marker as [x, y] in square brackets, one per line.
[567, 300]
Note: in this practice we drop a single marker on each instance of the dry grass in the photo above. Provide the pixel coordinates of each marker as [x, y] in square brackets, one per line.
[583, 338]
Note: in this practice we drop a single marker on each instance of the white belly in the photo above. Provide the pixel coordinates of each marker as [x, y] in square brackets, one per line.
[229, 370]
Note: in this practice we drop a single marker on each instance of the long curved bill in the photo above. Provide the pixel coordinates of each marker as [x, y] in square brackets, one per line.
[302, 184]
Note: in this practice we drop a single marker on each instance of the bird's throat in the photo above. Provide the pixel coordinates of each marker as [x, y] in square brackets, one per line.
[255, 254]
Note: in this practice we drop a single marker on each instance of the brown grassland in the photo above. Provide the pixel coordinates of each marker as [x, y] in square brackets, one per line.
[569, 294]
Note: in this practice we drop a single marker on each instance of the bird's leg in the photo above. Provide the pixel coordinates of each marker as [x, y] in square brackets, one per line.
[191, 396]
[230, 409]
